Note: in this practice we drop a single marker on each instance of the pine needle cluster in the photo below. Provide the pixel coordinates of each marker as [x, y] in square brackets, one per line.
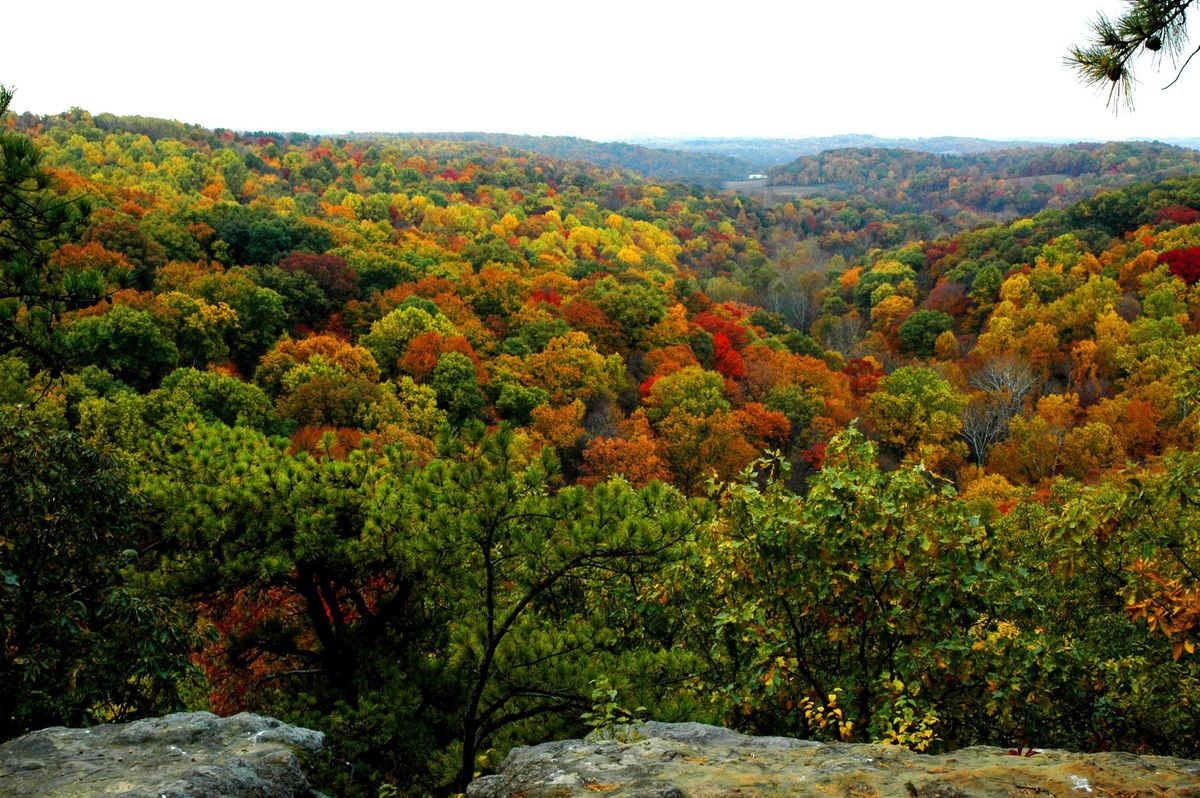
[1152, 28]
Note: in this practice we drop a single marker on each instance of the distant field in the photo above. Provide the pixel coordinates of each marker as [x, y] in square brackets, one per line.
[1033, 181]
[770, 195]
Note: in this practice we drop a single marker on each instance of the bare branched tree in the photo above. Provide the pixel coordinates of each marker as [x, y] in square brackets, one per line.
[1002, 384]
[1007, 379]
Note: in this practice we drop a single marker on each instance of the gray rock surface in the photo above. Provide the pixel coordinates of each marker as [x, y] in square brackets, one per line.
[691, 760]
[186, 755]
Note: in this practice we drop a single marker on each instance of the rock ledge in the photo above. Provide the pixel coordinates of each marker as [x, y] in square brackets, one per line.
[691, 760]
[185, 755]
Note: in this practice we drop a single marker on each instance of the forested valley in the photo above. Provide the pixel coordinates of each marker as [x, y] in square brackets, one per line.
[442, 446]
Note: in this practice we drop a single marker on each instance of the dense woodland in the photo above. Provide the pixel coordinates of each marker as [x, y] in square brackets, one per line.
[441, 446]
[677, 164]
[1009, 182]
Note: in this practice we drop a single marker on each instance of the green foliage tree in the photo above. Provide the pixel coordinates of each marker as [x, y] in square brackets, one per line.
[515, 401]
[634, 306]
[869, 588]
[986, 285]
[917, 412]
[1062, 675]
[252, 235]
[145, 254]
[321, 393]
[319, 618]
[519, 570]
[125, 341]
[261, 315]
[1157, 520]
[468, 590]
[457, 387]
[258, 518]
[33, 217]
[691, 390]
[392, 334]
[303, 298]
[83, 641]
[920, 330]
[220, 397]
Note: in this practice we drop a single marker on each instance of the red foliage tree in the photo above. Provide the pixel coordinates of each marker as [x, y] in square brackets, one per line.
[1184, 263]
[126, 238]
[761, 426]
[814, 456]
[547, 295]
[636, 455]
[864, 373]
[1177, 215]
[330, 272]
[647, 384]
[667, 359]
[423, 352]
[232, 669]
[586, 316]
[726, 359]
[712, 323]
[949, 298]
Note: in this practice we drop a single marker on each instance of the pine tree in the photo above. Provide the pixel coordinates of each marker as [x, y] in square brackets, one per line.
[1151, 27]
[33, 215]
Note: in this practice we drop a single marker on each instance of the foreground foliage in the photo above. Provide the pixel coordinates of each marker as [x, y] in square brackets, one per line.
[84, 639]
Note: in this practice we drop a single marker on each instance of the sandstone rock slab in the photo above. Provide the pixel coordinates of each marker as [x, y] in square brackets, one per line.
[185, 755]
[663, 760]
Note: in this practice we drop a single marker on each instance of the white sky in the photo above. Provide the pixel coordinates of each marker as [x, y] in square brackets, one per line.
[602, 70]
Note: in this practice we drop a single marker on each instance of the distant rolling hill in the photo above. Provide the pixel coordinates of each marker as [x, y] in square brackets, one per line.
[712, 162]
[765, 153]
[1004, 181]
[1192, 144]
[673, 164]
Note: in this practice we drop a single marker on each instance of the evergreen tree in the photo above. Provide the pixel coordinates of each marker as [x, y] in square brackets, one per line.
[83, 641]
[33, 215]
[1149, 27]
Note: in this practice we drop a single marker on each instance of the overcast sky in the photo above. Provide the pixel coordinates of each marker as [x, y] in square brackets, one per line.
[604, 70]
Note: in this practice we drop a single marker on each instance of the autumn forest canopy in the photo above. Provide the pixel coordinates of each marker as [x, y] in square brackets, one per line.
[443, 445]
